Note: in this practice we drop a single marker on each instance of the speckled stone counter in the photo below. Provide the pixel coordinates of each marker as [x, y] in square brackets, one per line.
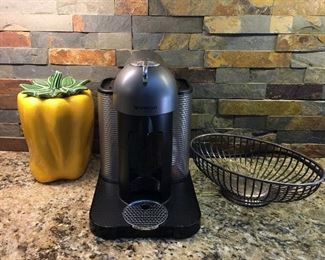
[39, 221]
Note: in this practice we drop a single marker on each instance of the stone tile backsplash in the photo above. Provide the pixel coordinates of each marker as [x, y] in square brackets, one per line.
[253, 64]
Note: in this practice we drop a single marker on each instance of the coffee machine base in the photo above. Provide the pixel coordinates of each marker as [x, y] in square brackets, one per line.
[107, 221]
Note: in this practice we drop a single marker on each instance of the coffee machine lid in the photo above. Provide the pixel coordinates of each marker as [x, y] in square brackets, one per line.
[145, 87]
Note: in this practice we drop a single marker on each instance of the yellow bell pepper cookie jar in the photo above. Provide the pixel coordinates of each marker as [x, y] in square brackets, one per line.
[57, 117]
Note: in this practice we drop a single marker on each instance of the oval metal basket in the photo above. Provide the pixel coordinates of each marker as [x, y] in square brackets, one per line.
[252, 172]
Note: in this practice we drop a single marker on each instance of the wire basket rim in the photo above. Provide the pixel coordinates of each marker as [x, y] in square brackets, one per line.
[318, 182]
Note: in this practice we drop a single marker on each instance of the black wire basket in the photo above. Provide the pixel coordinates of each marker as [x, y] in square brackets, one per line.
[252, 172]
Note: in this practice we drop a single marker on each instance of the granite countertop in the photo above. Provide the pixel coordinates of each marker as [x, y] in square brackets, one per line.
[50, 221]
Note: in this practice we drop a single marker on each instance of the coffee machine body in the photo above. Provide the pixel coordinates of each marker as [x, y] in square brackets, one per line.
[144, 188]
[145, 96]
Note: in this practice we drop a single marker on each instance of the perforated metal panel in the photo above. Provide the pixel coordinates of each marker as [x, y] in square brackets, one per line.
[145, 214]
[181, 136]
[107, 117]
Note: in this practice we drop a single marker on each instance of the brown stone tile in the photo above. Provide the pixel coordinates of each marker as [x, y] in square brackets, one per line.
[281, 24]
[82, 56]
[210, 7]
[78, 23]
[15, 39]
[197, 75]
[8, 101]
[131, 7]
[298, 7]
[9, 88]
[296, 123]
[308, 149]
[174, 41]
[13, 144]
[262, 107]
[19, 144]
[245, 24]
[246, 59]
[222, 24]
[300, 42]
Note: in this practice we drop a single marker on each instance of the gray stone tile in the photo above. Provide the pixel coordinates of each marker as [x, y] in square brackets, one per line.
[314, 59]
[35, 72]
[232, 75]
[6, 71]
[255, 23]
[200, 121]
[122, 56]
[106, 23]
[280, 75]
[147, 24]
[308, 24]
[252, 122]
[202, 106]
[156, 8]
[60, 40]
[146, 41]
[232, 42]
[81, 40]
[173, 58]
[182, 58]
[301, 137]
[210, 90]
[10, 129]
[93, 73]
[9, 116]
[313, 108]
[23, 56]
[315, 75]
[112, 41]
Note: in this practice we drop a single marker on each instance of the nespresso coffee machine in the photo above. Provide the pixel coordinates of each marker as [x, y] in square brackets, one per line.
[144, 188]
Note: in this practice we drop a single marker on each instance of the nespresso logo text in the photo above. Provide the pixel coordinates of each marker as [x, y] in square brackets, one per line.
[145, 107]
